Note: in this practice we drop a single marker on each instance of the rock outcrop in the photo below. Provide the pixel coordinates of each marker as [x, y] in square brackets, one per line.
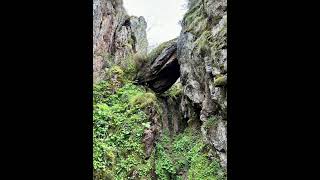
[162, 69]
[198, 57]
[116, 36]
[202, 55]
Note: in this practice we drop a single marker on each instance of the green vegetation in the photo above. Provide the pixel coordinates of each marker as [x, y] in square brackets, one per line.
[220, 81]
[118, 131]
[120, 117]
[204, 42]
[175, 91]
[195, 20]
[211, 122]
[119, 121]
[185, 155]
[107, 57]
[143, 100]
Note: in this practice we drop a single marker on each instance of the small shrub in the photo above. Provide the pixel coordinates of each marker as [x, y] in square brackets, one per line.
[143, 100]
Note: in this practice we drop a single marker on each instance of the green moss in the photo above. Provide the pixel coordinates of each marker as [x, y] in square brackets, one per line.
[194, 11]
[128, 45]
[131, 41]
[174, 92]
[157, 51]
[203, 169]
[143, 100]
[107, 57]
[195, 20]
[116, 77]
[220, 81]
[219, 41]
[211, 122]
[204, 42]
[134, 63]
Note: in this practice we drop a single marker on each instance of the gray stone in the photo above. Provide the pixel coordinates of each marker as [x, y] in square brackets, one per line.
[200, 67]
[116, 36]
[161, 72]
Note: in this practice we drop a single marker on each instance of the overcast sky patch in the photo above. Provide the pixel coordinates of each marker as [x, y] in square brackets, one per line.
[162, 16]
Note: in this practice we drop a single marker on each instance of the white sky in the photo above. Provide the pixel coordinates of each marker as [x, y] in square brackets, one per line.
[162, 17]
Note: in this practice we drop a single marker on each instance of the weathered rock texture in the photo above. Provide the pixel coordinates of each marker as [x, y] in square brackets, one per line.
[202, 55]
[116, 36]
[162, 69]
[172, 117]
[198, 56]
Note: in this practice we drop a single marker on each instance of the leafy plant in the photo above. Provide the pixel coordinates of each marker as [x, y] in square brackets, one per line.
[185, 153]
[118, 127]
[175, 91]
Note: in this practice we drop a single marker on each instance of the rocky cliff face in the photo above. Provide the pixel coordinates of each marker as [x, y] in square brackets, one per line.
[202, 55]
[116, 36]
[199, 58]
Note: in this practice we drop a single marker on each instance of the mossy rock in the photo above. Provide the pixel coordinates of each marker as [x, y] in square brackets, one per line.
[210, 123]
[220, 81]
[143, 100]
[204, 43]
[116, 70]
[175, 91]
[157, 51]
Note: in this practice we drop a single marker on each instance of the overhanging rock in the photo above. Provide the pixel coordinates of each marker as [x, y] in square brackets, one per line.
[162, 71]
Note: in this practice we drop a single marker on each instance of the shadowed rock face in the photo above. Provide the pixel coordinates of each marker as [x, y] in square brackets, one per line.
[162, 72]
